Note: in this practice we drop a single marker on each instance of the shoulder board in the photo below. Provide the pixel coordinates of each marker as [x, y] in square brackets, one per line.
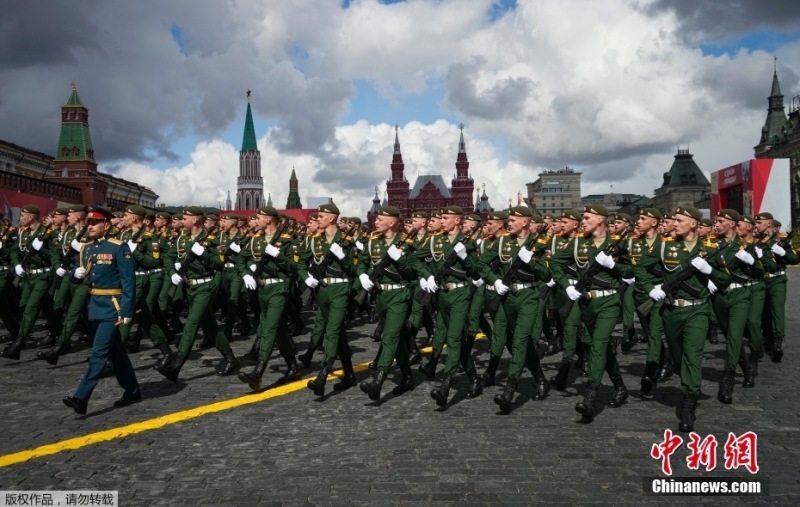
[783, 236]
[374, 235]
[286, 236]
[615, 237]
[506, 234]
[114, 241]
[148, 234]
[545, 240]
[710, 244]
[578, 235]
[667, 238]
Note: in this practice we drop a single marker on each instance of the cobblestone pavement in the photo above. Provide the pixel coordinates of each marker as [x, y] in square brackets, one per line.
[295, 449]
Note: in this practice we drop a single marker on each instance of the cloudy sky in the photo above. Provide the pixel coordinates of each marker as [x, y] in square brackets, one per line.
[610, 88]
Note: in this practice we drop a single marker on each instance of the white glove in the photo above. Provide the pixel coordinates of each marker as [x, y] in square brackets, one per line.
[253, 268]
[235, 247]
[551, 283]
[460, 250]
[478, 283]
[629, 281]
[61, 271]
[1, 244]
[432, 284]
[37, 244]
[18, 270]
[778, 250]
[271, 251]
[605, 260]
[177, 266]
[744, 256]
[394, 253]
[573, 293]
[500, 287]
[249, 282]
[359, 245]
[311, 281]
[176, 279]
[759, 252]
[132, 246]
[525, 255]
[79, 273]
[712, 288]
[701, 265]
[657, 294]
[76, 245]
[423, 284]
[126, 320]
[198, 249]
[337, 251]
[366, 282]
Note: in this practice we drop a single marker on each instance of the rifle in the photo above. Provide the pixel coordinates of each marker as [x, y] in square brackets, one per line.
[406, 241]
[672, 285]
[590, 273]
[190, 257]
[27, 260]
[508, 278]
[786, 243]
[67, 260]
[264, 259]
[318, 270]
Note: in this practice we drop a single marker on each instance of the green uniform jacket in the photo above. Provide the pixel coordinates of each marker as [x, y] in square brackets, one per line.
[318, 247]
[252, 253]
[399, 271]
[495, 262]
[47, 257]
[199, 267]
[573, 261]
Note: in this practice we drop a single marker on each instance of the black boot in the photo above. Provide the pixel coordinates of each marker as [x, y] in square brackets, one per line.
[306, 356]
[666, 370]
[373, 365]
[171, 369]
[725, 394]
[406, 383]
[620, 393]
[475, 385]
[442, 391]
[229, 363]
[586, 407]
[560, 379]
[627, 340]
[292, 373]
[166, 355]
[253, 379]
[318, 384]
[373, 387]
[649, 380]
[712, 334]
[777, 348]
[491, 370]
[749, 379]
[48, 342]
[429, 370]
[134, 343]
[688, 406]
[754, 359]
[252, 354]
[349, 380]
[505, 399]
[52, 354]
[542, 385]
[12, 351]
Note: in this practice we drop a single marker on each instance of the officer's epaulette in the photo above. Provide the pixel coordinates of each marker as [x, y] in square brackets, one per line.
[286, 236]
[115, 241]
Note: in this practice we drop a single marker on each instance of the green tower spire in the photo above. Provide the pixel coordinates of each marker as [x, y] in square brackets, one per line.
[249, 138]
[293, 201]
[74, 142]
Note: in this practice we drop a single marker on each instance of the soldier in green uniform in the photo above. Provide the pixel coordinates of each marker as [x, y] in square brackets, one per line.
[600, 311]
[744, 229]
[685, 311]
[269, 258]
[231, 284]
[318, 330]
[386, 247]
[159, 243]
[33, 258]
[330, 249]
[8, 310]
[731, 307]
[107, 265]
[197, 250]
[420, 316]
[521, 303]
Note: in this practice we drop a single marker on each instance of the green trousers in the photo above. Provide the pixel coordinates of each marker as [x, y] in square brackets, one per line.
[393, 308]
[652, 327]
[775, 305]
[600, 316]
[272, 326]
[34, 290]
[500, 335]
[571, 325]
[520, 310]
[752, 331]
[628, 306]
[685, 330]
[78, 296]
[451, 321]
[144, 316]
[199, 317]
[9, 305]
[332, 301]
[732, 309]
[475, 309]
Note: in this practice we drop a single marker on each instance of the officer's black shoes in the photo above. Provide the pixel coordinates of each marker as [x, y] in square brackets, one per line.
[12, 351]
[620, 393]
[442, 391]
[777, 348]
[488, 377]
[318, 384]
[48, 342]
[128, 399]
[749, 375]
[687, 409]
[406, 383]
[79, 406]
[167, 355]
[725, 393]
[542, 385]
[560, 379]
[306, 356]
[429, 370]
[586, 407]
[666, 370]
[649, 379]
[475, 385]
[171, 369]
[292, 373]
[253, 379]
[506, 399]
[229, 363]
[373, 387]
